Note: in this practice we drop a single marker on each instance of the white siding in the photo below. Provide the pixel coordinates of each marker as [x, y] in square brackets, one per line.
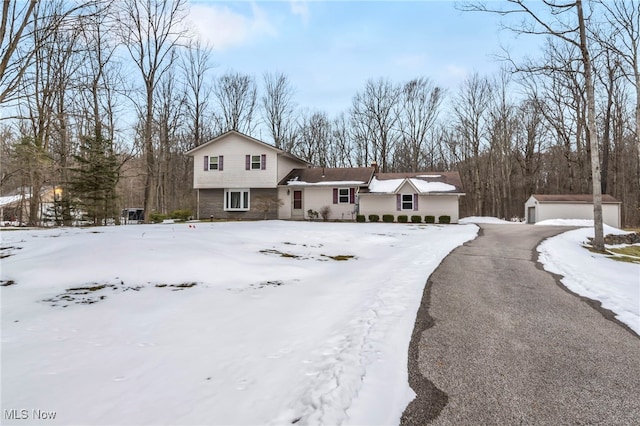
[440, 205]
[564, 211]
[286, 164]
[320, 196]
[434, 205]
[284, 211]
[315, 198]
[611, 215]
[378, 204]
[234, 148]
[545, 211]
[407, 189]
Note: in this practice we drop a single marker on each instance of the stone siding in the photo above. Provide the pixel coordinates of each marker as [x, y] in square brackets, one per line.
[211, 203]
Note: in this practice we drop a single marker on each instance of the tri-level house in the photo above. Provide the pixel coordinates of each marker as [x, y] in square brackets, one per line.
[234, 174]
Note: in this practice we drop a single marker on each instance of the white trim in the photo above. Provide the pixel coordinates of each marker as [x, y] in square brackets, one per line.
[251, 162]
[348, 196]
[217, 164]
[242, 200]
[413, 201]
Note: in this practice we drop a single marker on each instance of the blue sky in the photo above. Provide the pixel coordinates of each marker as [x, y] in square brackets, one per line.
[329, 49]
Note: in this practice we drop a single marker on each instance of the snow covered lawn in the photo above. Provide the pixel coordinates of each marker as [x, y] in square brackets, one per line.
[221, 323]
[615, 284]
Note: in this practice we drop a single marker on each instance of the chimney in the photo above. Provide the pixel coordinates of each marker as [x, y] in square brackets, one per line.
[375, 166]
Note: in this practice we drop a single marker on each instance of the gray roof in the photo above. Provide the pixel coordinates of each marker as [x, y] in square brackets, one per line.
[329, 175]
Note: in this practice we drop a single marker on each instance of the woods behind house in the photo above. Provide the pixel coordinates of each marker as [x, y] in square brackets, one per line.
[101, 99]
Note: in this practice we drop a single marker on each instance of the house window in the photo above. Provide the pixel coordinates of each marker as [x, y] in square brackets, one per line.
[256, 162]
[236, 199]
[407, 201]
[343, 196]
[213, 163]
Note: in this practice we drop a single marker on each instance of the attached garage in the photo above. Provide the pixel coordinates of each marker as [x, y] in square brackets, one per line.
[570, 206]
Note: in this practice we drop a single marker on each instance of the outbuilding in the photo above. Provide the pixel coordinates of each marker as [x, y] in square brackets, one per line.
[541, 207]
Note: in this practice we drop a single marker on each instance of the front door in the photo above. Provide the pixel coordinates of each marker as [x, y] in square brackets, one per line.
[297, 211]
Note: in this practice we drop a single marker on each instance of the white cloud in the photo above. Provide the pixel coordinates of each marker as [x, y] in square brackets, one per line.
[300, 8]
[452, 75]
[224, 28]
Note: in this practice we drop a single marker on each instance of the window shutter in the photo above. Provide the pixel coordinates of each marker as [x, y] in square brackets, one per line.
[220, 162]
[263, 162]
[335, 195]
[352, 195]
[206, 163]
[398, 202]
[247, 162]
[415, 201]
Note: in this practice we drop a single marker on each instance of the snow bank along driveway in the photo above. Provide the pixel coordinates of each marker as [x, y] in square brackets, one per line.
[225, 323]
[615, 284]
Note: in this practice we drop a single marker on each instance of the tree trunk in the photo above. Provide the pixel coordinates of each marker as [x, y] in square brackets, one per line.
[598, 241]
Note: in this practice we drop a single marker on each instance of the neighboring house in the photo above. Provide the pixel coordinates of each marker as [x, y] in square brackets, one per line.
[234, 173]
[421, 194]
[15, 206]
[570, 206]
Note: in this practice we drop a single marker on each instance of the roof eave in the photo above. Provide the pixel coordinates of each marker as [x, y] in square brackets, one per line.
[266, 145]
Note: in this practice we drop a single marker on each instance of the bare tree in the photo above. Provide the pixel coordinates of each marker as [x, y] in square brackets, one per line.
[151, 30]
[15, 58]
[502, 131]
[470, 120]
[592, 133]
[42, 97]
[420, 100]
[168, 119]
[341, 152]
[314, 131]
[19, 21]
[278, 109]
[267, 204]
[195, 64]
[623, 17]
[572, 32]
[236, 94]
[374, 114]
[557, 89]
[529, 144]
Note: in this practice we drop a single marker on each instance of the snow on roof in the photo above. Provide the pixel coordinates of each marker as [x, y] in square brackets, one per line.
[11, 199]
[432, 186]
[391, 185]
[429, 176]
[297, 182]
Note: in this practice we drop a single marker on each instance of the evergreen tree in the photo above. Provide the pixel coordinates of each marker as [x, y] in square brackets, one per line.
[94, 180]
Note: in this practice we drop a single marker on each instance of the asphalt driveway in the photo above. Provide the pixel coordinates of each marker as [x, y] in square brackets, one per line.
[498, 341]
